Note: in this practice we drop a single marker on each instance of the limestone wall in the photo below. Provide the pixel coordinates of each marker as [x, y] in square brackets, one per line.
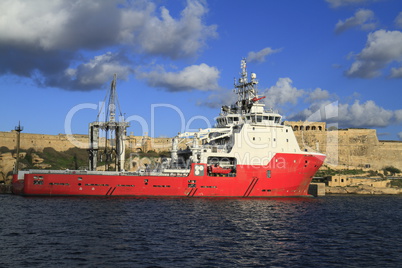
[62, 142]
[348, 147]
[346, 180]
[40, 141]
[353, 148]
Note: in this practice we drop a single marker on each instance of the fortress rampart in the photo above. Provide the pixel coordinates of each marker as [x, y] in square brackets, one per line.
[351, 148]
[62, 142]
[348, 148]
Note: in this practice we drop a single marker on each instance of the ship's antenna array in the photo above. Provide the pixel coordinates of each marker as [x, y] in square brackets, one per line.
[247, 91]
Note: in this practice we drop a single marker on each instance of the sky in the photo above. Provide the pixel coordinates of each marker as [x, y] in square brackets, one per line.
[338, 61]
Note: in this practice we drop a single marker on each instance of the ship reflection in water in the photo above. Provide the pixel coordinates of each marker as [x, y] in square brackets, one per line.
[335, 231]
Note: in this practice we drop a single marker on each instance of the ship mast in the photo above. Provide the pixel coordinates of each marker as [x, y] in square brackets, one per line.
[110, 126]
[246, 91]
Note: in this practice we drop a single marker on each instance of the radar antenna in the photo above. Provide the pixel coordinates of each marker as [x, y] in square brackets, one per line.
[247, 91]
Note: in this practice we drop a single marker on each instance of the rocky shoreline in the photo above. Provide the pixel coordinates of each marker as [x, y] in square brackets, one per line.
[363, 190]
[5, 189]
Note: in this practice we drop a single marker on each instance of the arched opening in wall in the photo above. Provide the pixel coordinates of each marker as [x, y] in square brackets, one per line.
[319, 128]
[313, 128]
[296, 128]
[301, 127]
[308, 128]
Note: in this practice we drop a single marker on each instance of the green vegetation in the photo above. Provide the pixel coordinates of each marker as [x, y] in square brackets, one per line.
[372, 173]
[391, 170]
[396, 183]
[71, 159]
[4, 149]
[150, 154]
[332, 172]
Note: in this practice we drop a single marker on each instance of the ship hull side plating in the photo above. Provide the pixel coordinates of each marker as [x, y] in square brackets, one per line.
[285, 175]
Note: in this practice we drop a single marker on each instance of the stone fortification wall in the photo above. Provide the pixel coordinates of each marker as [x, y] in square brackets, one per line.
[145, 143]
[62, 142]
[40, 141]
[348, 147]
[353, 148]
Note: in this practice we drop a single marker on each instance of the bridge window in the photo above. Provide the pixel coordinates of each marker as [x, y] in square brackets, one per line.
[259, 118]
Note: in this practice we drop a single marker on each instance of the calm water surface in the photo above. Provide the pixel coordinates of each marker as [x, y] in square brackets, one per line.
[330, 231]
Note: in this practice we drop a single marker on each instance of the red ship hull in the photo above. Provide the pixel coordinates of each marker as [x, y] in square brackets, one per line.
[285, 175]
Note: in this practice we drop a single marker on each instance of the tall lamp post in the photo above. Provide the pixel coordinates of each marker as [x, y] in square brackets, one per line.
[18, 129]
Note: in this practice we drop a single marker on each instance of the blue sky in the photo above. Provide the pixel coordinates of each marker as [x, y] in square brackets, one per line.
[176, 61]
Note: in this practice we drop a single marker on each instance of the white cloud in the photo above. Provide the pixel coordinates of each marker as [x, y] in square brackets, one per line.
[367, 114]
[199, 77]
[339, 3]
[259, 56]
[318, 94]
[218, 99]
[396, 72]
[282, 93]
[96, 72]
[398, 116]
[363, 18]
[382, 48]
[398, 20]
[356, 115]
[164, 35]
[59, 25]
[48, 38]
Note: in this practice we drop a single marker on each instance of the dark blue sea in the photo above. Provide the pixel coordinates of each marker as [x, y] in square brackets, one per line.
[330, 231]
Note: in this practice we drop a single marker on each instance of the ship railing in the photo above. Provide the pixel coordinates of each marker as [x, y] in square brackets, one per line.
[78, 172]
[166, 172]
